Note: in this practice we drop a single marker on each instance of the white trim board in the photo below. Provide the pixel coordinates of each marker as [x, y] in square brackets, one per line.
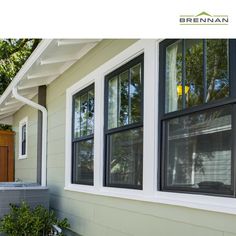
[150, 138]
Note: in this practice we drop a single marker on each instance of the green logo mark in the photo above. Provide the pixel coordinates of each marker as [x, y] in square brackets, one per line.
[203, 14]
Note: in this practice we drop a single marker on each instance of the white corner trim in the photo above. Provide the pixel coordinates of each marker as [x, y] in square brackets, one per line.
[23, 122]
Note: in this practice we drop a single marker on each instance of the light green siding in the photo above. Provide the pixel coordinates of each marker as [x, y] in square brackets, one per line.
[26, 169]
[92, 215]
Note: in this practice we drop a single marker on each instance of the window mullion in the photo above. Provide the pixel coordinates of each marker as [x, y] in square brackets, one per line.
[232, 68]
[129, 97]
[233, 167]
[204, 70]
[87, 112]
[118, 100]
[183, 73]
[83, 138]
[99, 138]
[124, 128]
[73, 173]
[80, 120]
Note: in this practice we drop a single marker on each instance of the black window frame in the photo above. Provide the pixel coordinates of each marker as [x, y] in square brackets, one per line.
[163, 117]
[23, 139]
[80, 139]
[107, 132]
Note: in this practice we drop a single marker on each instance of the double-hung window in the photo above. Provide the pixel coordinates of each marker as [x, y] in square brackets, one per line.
[23, 140]
[83, 137]
[197, 116]
[23, 129]
[124, 125]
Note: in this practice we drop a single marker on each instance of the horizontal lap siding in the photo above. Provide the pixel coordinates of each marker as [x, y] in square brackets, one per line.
[56, 103]
[26, 169]
[92, 215]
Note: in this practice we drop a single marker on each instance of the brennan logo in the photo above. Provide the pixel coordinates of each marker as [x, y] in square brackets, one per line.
[204, 18]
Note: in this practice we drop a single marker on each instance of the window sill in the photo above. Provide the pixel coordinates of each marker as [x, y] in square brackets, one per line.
[200, 202]
[22, 157]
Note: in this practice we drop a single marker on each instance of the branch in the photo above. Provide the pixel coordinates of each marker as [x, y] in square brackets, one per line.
[21, 45]
[212, 84]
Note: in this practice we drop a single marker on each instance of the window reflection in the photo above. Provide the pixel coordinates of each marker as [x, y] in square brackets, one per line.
[135, 94]
[124, 122]
[124, 98]
[83, 162]
[194, 72]
[217, 69]
[174, 77]
[199, 151]
[125, 157]
[123, 102]
[82, 139]
[203, 70]
[113, 103]
[84, 114]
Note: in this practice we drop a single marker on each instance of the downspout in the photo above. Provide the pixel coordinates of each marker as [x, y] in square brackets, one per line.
[44, 132]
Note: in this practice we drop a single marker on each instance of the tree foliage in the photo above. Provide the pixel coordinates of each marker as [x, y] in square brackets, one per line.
[216, 69]
[13, 54]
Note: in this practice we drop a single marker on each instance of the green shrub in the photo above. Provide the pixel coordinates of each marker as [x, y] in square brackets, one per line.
[24, 221]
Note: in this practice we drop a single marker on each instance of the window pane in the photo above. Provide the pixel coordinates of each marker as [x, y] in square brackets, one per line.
[174, 77]
[90, 125]
[23, 148]
[194, 72]
[125, 158]
[207, 79]
[124, 98]
[135, 94]
[77, 117]
[83, 162]
[199, 151]
[23, 132]
[23, 141]
[112, 102]
[84, 113]
[217, 69]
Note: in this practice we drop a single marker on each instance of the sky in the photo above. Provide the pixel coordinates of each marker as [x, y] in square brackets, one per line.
[112, 19]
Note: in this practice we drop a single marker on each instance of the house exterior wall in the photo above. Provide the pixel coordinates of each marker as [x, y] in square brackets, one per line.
[26, 169]
[94, 215]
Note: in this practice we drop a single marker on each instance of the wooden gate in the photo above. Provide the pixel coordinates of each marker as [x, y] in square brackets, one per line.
[6, 156]
[3, 164]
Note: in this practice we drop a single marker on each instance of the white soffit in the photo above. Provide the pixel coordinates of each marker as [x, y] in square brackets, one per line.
[49, 60]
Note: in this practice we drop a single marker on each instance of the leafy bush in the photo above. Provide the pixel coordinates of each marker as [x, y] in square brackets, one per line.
[24, 221]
